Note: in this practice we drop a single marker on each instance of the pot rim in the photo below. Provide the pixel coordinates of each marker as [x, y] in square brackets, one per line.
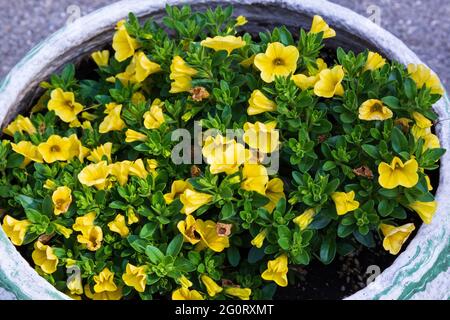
[421, 271]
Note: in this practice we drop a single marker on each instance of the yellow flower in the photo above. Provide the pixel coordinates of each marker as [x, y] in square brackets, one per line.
[56, 148]
[255, 178]
[373, 109]
[101, 58]
[120, 170]
[429, 186]
[274, 191]
[262, 136]
[145, 67]
[226, 43]
[64, 105]
[330, 83]
[75, 285]
[49, 184]
[277, 271]
[132, 216]
[425, 210]
[374, 61]
[44, 257]
[319, 25]
[259, 239]
[211, 286]
[152, 165]
[421, 121]
[119, 226]
[395, 237]
[192, 200]
[132, 136]
[77, 149]
[241, 293]
[178, 187]
[95, 174]
[185, 282]
[123, 44]
[84, 222]
[154, 118]
[188, 229]
[181, 74]
[209, 236]
[305, 82]
[186, 294]
[246, 63]
[104, 281]
[97, 154]
[137, 169]
[28, 150]
[431, 141]
[113, 121]
[278, 60]
[20, 124]
[15, 229]
[259, 103]
[345, 202]
[135, 277]
[92, 237]
[305, 219]
[62, 198]
[223, 155]
[398, 173]
[66, 232]
[422, 76]
[240, 21]
[105, 295]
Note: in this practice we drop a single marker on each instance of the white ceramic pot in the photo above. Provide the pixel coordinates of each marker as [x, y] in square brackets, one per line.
[420, 272]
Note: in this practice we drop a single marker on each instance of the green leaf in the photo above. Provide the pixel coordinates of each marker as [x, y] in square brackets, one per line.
[366, 240]
[174, 247]
[371, 150]
[148, 230]
[255, 255]
[329, 165]
[398, 140]
[328, 249]
[227, 211]
[184, 265]
[14, 160]
[155, 255]
[410, 88]
[233, 256]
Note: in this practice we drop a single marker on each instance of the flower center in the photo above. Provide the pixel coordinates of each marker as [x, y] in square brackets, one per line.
[60, 203]
[377, 108]
[55, 148]
[70, 105]
[278, 62]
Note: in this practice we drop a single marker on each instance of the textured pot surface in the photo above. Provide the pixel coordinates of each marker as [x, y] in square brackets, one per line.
[422, 271]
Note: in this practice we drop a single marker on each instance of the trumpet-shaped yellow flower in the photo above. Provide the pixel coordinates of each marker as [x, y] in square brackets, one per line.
[305, 82]
[395, 237]
[62, 198]
[255, 178]
[421, 121]
[123, 44]
[211, 286]
[104, 281]
[259, 103]
[154, 118]
[319, 25]
[188, 229]
[20, 124]
[135, 277]
[95, 174]
[28, 150]
[92, 237]
[177, 189]
[262, 136]
[209, 236]
[113, 121]
[330, 83]
[425, 210]
[181, 75]
[66, 232]
[186, 294]
[373, 109]
[374, 61]
[185, 282]
[75, 285]
[56, 148]
[192, 200]
[77, 149]
[278, 60]
[240, 21]
[398, 173]
[259, 239]
[44, 257]
[121, 170]
[152, 165]
[64, 105]
[84, 222]
[277, 271]
[345, 202]
[422, 76]
[224, 155]
[305, 219]
[101, 58]
[105, 295]
[224, 43]
[145, 67]
[137, 169]
[16, 230]
[119, 226]
[97, 154]
[133, 136]
[431, 141]
[241, 293]
[274, 191]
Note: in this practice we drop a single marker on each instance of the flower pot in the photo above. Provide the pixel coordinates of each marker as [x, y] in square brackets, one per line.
[421, 271]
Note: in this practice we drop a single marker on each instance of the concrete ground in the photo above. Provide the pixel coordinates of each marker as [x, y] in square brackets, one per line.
[423, 25]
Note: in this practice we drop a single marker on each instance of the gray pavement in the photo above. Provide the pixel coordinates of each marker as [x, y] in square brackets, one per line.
[424, 25]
